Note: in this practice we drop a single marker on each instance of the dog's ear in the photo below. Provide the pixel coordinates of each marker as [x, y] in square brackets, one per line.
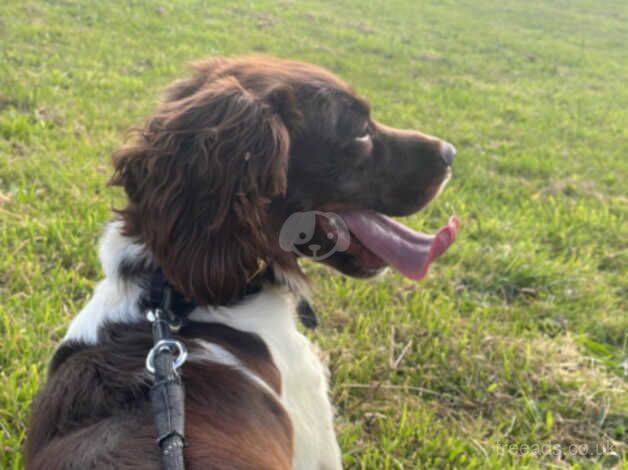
[199, 179]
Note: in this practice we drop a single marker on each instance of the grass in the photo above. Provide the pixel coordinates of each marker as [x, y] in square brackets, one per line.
[512, 354]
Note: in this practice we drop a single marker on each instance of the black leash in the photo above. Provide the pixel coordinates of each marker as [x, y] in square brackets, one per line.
[167, 395]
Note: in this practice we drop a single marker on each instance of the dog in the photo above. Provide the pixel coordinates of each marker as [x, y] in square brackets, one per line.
[245, 167]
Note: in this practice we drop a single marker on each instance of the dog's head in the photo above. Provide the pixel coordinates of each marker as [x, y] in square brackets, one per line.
[254, 162]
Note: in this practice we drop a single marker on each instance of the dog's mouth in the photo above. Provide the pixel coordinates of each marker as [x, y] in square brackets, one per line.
[377, 241]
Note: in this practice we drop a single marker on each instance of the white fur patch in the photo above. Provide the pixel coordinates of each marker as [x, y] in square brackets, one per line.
[213, 352]
[114, 248]
[113, 300]
[271, 315]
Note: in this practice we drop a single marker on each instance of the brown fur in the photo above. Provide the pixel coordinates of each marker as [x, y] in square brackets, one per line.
[94, 411]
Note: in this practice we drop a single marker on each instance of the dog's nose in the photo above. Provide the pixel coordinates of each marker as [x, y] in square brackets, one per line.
[447, 153]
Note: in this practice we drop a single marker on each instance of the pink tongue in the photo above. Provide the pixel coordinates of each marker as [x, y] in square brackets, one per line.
[409, 252]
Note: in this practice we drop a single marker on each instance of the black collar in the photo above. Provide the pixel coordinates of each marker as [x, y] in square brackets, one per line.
[180, 308]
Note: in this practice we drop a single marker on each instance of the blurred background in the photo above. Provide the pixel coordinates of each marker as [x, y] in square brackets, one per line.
[513, 353]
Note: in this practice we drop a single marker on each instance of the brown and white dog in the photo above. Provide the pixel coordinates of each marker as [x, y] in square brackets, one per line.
[244, 167]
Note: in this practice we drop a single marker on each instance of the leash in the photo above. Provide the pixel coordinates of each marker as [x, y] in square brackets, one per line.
[167, 395]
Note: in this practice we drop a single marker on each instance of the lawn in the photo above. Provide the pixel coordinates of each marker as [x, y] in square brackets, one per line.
[512, 354]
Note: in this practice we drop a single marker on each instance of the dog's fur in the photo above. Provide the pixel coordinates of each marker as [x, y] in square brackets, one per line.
[228, 156]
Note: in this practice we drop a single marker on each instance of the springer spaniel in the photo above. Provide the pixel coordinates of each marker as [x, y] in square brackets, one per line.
[244, 167]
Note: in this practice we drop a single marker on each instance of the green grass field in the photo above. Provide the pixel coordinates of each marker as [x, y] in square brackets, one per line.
[512, 354]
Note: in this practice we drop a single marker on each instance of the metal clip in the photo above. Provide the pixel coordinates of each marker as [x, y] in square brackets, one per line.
[169, 344]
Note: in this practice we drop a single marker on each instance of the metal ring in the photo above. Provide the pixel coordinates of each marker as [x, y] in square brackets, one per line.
[171, 344]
